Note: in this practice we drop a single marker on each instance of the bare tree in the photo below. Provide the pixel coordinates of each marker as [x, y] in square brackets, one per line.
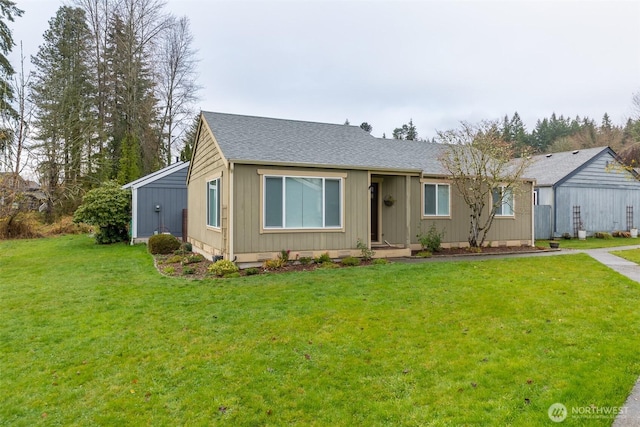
[15, 127]
[482, 167]
[177, 87]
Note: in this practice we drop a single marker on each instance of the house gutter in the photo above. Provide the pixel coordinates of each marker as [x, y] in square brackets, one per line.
[230, 214]
[533, 216]
[134, 214]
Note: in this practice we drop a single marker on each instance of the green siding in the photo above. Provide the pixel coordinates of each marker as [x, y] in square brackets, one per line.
[247, 234]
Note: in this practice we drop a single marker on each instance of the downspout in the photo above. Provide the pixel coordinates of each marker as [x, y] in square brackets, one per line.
[555, 210]
[230, 214]
[533, 216]
[407, 237]
[134, 214]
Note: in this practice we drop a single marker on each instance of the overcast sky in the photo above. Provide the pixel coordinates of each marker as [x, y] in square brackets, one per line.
[385, 62]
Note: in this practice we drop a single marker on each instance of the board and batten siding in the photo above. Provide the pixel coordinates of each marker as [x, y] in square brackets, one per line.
[206, 165]
[393, 218]
[250, 239]
[603, 192]
[510, 231]
[170, 192]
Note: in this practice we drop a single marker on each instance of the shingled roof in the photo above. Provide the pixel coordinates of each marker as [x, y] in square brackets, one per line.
[548, 169]
[262, 140]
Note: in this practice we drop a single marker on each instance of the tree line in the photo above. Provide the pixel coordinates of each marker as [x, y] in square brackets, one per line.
[556, 133]
[110, 96]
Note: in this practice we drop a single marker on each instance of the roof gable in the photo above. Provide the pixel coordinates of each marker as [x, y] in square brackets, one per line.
[154, 176]
[554, 168]
[261, 140]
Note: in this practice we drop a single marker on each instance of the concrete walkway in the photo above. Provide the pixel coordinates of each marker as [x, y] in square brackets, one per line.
[630, 417]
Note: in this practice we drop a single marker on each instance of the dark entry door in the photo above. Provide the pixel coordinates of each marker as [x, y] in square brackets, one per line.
[375, 214]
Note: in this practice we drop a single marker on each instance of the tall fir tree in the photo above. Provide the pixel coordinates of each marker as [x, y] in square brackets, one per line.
[62, 93]
[8, 12]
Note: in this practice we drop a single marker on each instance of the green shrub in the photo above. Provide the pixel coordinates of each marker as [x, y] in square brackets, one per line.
[163, 244]
[109, 208]
[192, 259]
[350, 261]
[367, 253]
[380, 261]
[284, 256]
[252, 271]
[223, 267]
[424, 254]
[431, 240]
[173, 259]
[187, 247]
[321, 259]
[188, 270]
[169, 270]
[274, 264]
[305, 260]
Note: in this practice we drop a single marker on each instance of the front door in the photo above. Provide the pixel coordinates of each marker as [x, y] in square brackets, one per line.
[375, 211]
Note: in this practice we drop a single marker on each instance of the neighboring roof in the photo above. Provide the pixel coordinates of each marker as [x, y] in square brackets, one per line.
[248, 139]
[154, 176]
[548, 169]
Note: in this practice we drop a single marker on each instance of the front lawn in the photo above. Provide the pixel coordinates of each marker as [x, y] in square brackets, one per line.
[591, 243]
[632, 255]
[93, 335]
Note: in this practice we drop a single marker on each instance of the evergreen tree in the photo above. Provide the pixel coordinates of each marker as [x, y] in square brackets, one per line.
[190, 139]
[8, 11]
[366, 127]
[408, 132]
[62, 94]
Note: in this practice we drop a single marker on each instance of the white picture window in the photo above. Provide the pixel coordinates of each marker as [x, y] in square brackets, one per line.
[437, 198]
[292, 202]
[213, 203]
[503, 199]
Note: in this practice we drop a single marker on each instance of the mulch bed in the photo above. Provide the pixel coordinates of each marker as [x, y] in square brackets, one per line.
[199, 270]
[488, 250]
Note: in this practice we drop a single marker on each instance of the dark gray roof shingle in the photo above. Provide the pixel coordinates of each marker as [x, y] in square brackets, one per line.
[279, 141]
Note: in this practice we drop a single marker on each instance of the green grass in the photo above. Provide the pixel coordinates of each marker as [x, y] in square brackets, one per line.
[92, 335]
[591, 243]
[632, 255]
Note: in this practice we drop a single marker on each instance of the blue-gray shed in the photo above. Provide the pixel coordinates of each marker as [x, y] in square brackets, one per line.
[157, 202]
[585, 189]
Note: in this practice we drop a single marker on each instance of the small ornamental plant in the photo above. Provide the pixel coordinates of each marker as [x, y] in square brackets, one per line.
[223, 267]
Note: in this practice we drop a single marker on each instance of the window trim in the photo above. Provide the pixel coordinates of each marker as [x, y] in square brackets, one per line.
[340, 177]
[499, 213]
[422, 201]
[219, 204]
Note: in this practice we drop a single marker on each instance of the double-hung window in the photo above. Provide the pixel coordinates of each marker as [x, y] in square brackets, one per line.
[213, 203]
[299, 202]
[503, 200]
[436, 199]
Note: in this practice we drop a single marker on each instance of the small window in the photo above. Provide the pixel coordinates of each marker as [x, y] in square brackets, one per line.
[213, 203]
[503, 199]
[436, 200]
[292, 202]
